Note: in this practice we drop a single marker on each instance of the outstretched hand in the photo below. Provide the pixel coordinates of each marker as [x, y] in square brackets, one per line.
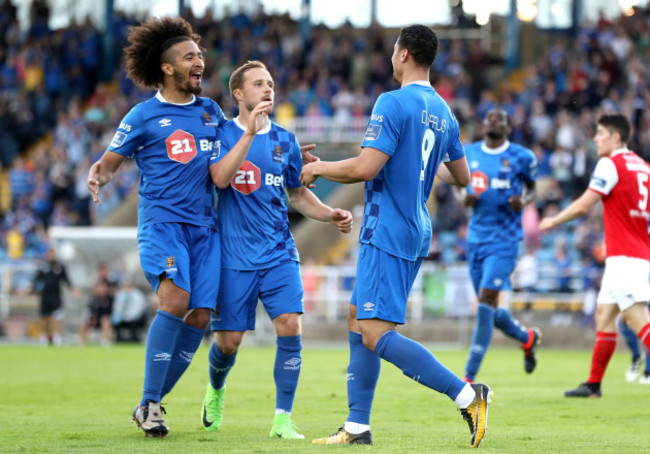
[308, 175]
[342, 219]
[93, 182]
[546, 224]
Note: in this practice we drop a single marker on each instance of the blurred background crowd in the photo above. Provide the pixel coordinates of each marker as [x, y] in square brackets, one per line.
[58, 111]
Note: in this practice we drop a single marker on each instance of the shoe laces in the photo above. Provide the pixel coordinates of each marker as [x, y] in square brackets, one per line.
[145, 411]
[467, 416]
[288, 424]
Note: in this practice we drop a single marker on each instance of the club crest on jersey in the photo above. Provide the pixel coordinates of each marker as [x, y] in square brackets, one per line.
[277, 154]
[170, 262]
[165, 122]
[505, 165]
[206, 119]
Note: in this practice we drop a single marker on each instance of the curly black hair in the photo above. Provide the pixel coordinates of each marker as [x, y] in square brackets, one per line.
[149, 41]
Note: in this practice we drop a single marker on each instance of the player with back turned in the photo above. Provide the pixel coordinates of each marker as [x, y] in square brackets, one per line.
[410, 132]
[171, 136]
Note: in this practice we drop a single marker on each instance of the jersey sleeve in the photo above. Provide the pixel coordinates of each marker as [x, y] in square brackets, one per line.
[221, 118]
[530, 167]
[295, 165]
[222, 148]
[604, 177]
[383, 128]
[455, 150]
[129, 135]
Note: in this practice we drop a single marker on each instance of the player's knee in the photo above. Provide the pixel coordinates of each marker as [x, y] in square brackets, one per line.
[198, 318]
[287, 324]
[228, 344]
[369, 342]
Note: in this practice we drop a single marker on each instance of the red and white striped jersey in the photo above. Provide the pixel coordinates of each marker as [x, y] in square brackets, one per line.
[623, 179]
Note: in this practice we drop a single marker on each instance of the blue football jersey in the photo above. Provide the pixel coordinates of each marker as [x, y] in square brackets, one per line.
[252, 210]
[497, 175]
[172, 144]
[417, 129]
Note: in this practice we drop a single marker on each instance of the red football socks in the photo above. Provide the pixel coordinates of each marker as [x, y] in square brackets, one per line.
[603, 351]
[644, 335]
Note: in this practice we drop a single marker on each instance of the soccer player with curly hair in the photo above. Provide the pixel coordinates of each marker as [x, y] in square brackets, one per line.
[172, 137]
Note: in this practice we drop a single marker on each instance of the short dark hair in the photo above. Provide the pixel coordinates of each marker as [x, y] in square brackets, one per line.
[616, 122]
[421, 42]
[149, 41]
[237, 76]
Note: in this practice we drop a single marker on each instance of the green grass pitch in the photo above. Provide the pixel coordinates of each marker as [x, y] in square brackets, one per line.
[79, 400]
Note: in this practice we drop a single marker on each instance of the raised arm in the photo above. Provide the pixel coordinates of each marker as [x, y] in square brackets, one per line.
[579, 207]
[364, 167]
[224, 170]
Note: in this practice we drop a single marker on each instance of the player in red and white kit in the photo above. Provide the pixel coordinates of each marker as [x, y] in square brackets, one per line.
[621, 180]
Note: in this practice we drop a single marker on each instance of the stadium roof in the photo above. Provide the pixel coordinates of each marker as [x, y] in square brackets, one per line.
[389, 13]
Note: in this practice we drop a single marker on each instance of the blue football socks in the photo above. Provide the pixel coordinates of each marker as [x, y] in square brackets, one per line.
[161, 341]
[418, 363]
[220, 366]
[288, 361]
[480, 339]
[363, 373]
[630, 339]
[510, 327]
[187, 343]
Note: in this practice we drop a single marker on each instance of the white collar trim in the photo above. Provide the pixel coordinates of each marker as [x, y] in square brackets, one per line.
[161, 98]
[424, 83]
[264, 130]
[498, 150]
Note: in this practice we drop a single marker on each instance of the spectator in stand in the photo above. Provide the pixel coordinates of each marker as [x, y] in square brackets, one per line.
[562, 264]
[130, 312]
[21, 181]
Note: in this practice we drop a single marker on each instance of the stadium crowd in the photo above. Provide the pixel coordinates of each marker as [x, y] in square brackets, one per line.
[57, 112]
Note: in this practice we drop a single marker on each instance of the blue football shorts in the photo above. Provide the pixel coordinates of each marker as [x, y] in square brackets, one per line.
[384, 282]
[187, 254]
[278, 287]
[491, 264]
